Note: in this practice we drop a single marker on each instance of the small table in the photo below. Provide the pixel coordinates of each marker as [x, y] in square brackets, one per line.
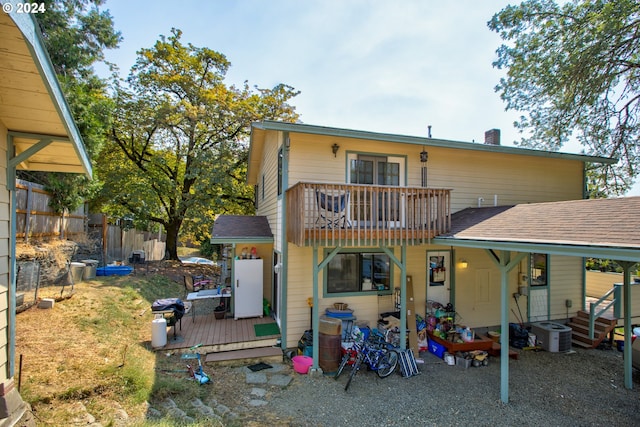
[208, 294]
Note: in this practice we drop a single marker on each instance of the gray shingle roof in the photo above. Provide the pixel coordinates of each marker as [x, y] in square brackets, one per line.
[236, 227]
[592, 222]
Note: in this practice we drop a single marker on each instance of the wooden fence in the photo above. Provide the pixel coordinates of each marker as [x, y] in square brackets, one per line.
[35, 219]
[119, 244]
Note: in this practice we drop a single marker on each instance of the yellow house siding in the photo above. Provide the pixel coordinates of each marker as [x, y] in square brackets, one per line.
[477, 289]
[417, 269]
[470, 174]
[565, 283]
[269, 169]
[311, 158]
[512, 178]
[299, 288]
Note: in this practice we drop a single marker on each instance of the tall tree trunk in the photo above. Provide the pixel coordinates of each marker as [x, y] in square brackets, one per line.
[172, 230]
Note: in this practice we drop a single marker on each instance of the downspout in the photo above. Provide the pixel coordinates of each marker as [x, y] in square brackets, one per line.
[284, 245]
[11, 186]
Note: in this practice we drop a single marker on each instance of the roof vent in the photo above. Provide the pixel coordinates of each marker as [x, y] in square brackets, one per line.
[492, 137]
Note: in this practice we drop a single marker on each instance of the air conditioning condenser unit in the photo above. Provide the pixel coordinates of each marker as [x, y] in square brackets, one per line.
[551, 336]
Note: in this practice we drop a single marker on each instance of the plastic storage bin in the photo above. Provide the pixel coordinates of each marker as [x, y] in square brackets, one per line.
[90, 267]
[77, 271]
[436, 349]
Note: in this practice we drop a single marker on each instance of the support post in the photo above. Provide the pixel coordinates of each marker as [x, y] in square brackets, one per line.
[627, 355]
[505, 264]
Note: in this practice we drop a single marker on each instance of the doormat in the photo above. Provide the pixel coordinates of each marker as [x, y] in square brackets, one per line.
[259, 367]
[264, 329]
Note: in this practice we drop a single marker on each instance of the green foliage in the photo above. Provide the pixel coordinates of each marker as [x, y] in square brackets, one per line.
[75, 33]
[572, 69]
[68, 191]
[209, 250]
[604, 265]
[180, 138]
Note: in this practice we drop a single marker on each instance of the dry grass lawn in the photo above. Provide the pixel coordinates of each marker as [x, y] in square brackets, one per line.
[91, 354]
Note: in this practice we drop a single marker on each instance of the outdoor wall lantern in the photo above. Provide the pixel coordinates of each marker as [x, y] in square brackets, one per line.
[463, 263]
[424, 156]
[334, 148]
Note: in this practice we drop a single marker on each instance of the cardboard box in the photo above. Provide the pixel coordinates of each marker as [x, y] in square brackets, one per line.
[330, 326]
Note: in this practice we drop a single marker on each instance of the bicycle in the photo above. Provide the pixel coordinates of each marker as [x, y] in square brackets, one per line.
[376, 355]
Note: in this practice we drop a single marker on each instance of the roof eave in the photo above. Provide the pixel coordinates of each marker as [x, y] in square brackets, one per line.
[415, 140]
[27, 25]
[617, 253]
[228, 240]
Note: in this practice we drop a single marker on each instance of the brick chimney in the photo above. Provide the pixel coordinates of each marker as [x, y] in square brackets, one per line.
[492, 137]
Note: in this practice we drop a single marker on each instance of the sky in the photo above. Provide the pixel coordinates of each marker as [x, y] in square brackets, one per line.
[382, 66]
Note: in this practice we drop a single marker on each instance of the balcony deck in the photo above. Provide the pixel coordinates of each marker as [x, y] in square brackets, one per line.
[365, 215]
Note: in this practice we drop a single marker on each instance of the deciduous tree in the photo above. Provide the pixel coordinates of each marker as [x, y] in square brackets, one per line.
[573, 70]
[76, 33]
[178, 149]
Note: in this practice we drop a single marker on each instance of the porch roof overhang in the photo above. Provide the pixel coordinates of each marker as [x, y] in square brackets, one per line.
[241, 229]
[42, 133]
[599, 228]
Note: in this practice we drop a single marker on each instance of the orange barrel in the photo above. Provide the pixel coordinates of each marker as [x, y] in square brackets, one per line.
[329, 352]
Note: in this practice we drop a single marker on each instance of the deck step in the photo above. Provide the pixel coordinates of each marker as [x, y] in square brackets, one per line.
[249, 353]
[579, 324]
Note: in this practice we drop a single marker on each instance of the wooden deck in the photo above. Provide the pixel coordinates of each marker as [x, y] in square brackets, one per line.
[217, 335]
[362, 215]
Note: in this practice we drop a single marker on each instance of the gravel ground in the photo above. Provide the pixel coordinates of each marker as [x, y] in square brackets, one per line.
[581, 388]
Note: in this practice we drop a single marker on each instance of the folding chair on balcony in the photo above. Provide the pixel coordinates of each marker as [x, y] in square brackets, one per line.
[333, 210]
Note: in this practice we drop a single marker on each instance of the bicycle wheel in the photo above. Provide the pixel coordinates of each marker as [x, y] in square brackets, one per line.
[387, 363]
[354, 370]
[343, 363]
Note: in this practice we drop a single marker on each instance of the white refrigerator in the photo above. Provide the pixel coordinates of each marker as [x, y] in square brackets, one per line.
[247, 289]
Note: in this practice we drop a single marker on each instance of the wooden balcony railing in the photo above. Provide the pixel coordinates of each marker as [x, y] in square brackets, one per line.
[365, 215]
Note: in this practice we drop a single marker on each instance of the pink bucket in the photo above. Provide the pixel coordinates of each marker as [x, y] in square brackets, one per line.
[301, 364]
